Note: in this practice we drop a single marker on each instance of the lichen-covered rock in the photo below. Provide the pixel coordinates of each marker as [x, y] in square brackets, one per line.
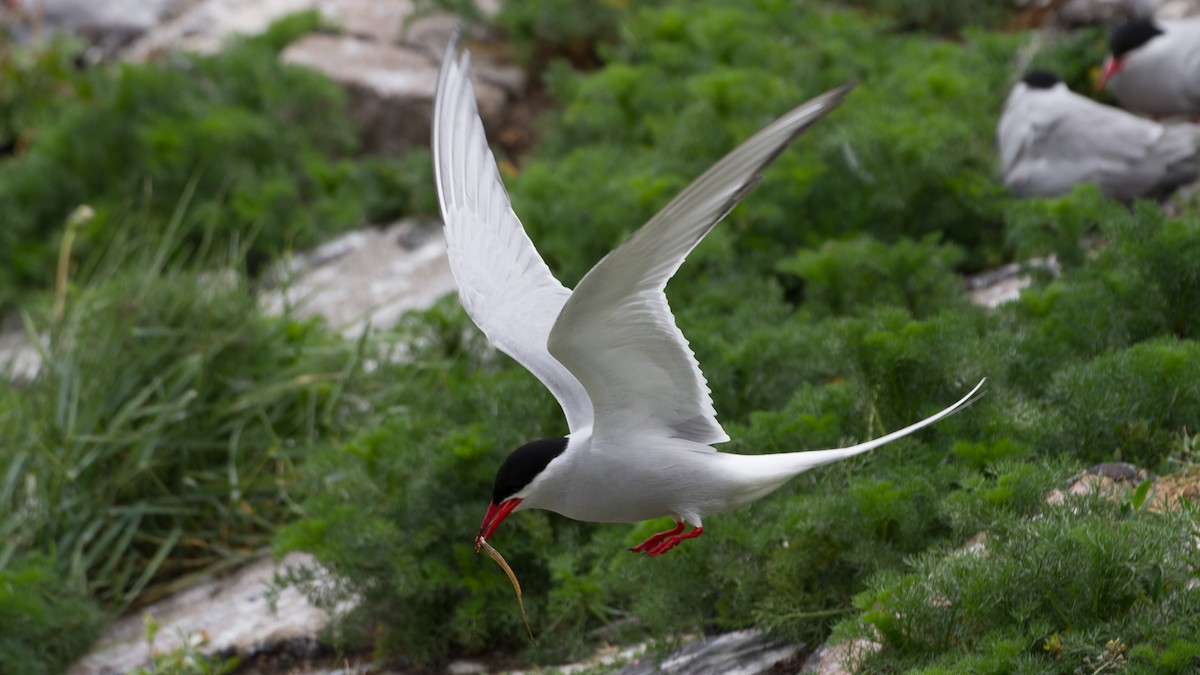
[745, 652]
[231, 615]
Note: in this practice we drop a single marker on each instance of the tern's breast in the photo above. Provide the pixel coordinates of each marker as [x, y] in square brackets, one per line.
[681, 480]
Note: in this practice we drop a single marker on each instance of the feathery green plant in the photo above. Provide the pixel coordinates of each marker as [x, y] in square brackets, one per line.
[266, 149]
[48, 618]
[159, 436]
[1044, 594]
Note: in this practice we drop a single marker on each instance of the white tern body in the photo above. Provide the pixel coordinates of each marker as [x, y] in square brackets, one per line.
[641, 420]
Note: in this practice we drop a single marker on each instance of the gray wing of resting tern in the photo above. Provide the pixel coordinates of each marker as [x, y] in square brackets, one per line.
[1051, 139]
[638, 408]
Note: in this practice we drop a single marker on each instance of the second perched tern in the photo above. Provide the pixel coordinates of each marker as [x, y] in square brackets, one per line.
[1153, 68]
[641, 419]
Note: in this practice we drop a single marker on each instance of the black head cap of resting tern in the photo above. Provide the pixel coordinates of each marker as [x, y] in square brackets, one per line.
[641, 420]
[1052, 139]
[1130, 35]
[1040, 79]
[1153, 67]
[1124, 39]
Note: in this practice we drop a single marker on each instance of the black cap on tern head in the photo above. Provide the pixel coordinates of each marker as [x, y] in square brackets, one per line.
[523, 465]
[1131, 35]
[1040, 79]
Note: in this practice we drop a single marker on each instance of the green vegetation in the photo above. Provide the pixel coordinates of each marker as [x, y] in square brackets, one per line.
[48, 619]
[160, 434]
[1048, 594]
[186, 659]
[174, 429]
[263, 149]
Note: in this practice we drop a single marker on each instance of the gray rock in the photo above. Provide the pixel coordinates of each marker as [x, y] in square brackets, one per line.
[367, 277]
[995, 287]
[20, 361]
[1088, 12]
[386, 56]
[744, 652]
[1177, 9]
[1081, 12]
[391, 88]
[838, 659]
[109, 24]
[230, 614]
[206, 25]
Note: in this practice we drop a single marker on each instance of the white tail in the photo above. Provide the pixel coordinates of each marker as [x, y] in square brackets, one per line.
[759, 475]
[807, 460]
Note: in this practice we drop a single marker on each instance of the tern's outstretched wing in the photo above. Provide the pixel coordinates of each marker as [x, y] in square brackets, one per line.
[503, 283]
[616, 333]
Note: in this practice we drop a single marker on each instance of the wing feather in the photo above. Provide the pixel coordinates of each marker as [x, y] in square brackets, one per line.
[504, 284]
[616, 333]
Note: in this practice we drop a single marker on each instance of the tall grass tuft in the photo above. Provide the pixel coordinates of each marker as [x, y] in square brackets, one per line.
[159, 437]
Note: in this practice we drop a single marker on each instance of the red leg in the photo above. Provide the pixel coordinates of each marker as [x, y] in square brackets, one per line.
[654, 541]
[671, 542]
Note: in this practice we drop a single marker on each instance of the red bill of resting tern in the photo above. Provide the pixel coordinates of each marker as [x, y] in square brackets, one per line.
[1153, 67]
[641, 419]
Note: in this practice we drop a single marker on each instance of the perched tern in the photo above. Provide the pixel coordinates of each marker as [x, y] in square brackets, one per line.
[641, 420]
[1153, 68]
[1052, 139]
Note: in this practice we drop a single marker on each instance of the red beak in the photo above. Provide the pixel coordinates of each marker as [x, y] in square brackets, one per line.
[495, 515]
[1111, 66]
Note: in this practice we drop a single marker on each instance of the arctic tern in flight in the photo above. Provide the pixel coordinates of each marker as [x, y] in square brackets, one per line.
[641, 419]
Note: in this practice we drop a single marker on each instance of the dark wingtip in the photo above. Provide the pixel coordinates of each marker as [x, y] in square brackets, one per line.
[452, 46]
[829, 101]
[1040, 79]
[839, 94]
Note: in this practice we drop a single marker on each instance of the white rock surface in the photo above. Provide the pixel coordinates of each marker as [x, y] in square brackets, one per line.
[996, 287]
[368, 277]
[108, 23]
[19, 360]
[744, 652]
[1177, 9]
[1004, 284]
[391, 88]
[840, 658]
[385, 56]
[231, 612]
[207, 25]
[1077, 12]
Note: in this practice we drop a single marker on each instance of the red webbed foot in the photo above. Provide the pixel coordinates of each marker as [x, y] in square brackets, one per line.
[671, 542]
[654, 541]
